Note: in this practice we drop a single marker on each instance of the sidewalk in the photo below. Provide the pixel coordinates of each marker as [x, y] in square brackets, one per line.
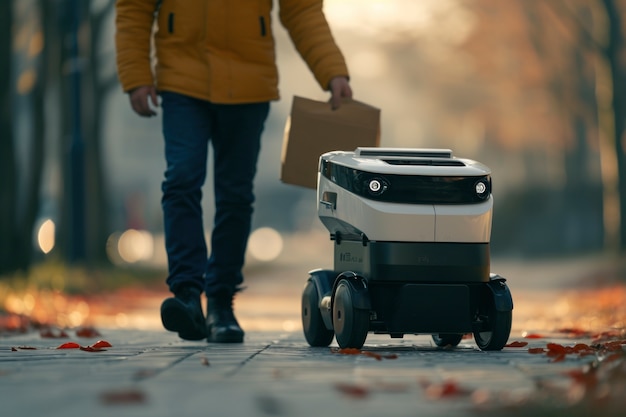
[150, 372]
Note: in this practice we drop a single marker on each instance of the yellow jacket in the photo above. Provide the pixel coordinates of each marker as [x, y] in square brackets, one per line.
[219, 50]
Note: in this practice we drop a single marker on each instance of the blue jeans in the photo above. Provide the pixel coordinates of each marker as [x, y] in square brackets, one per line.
[234, 131]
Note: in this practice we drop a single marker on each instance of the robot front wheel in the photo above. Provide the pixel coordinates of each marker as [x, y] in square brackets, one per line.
[351, 324]
[315, 332]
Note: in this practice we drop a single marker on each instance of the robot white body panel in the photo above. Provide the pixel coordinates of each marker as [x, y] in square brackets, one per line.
[381, 221]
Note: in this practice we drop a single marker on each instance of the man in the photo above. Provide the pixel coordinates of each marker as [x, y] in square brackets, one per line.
[215, 71]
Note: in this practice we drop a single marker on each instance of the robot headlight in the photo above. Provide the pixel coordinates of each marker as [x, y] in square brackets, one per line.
[376, 186]
[482, 189]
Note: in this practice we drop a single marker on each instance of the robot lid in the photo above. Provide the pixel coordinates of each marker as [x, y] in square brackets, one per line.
[407, 161]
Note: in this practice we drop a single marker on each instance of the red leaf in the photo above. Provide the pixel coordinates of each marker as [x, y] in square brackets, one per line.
[533, 336]
[69, 345]
[87, 332]
[580, 347]
[347, 351]
[555, 348]
[51, 334]
[573, 331]
[516, 344]
[130, 396]
[355, 351]
[558, 358]
[101, 344]
[536, 350]
[614, 346]
[352, 390]
[91, 349]
[445, 389]
[374, 355]
[586, 378]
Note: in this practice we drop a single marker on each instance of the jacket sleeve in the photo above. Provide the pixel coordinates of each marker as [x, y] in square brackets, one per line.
[133, 31]
[311, 35]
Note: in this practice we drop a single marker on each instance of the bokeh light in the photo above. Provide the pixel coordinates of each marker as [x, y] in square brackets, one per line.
[131, 246]
[45, 236]
[265, 244]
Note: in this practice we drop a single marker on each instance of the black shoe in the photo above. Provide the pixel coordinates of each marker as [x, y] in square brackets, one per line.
[221, 324]
[183, 314]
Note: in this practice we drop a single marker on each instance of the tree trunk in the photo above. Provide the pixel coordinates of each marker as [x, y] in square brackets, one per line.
[7, 151]
[614, 51]
[97, 89]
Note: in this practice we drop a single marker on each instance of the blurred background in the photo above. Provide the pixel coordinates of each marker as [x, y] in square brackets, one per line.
[534, 89]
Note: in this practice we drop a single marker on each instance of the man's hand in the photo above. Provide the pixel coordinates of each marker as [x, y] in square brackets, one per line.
[140, 99]
[339, 89]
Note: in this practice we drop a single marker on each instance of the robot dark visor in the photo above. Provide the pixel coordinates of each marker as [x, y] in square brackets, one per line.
[409, 189]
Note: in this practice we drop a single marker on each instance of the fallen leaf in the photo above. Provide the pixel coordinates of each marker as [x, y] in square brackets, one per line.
[374, 355]
[204, 361]
[352, 390]
[516, 344]
[445, 389]
[347, 351]
[51, 334]
[355, 351]
[101, 344]
[125, 397]
[587, 377]
[556, 349]
[533, 336]
[579, 347]
[573, 331]
[15, 349]
[69, 345]
[536, 350]
[87, 332]
[608, 335]
[92, 349]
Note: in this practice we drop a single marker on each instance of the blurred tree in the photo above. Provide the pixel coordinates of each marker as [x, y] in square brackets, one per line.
[44, 79]
[604, 38]
[521, 88]
[615, 52]
[101, 80]
[7, 148]
[95, 85]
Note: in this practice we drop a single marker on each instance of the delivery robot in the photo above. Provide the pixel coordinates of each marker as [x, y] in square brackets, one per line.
[411, 231]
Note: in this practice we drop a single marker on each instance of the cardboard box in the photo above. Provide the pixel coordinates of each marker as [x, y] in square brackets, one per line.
[313, 129]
